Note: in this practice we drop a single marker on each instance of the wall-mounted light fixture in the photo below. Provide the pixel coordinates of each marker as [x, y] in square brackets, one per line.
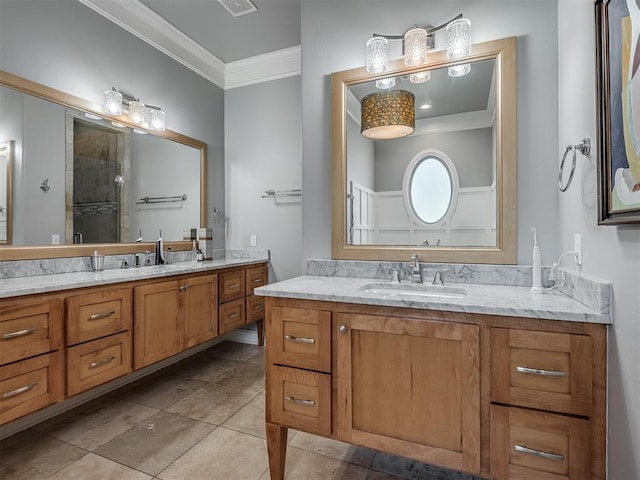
[116, 102]
[416, 42]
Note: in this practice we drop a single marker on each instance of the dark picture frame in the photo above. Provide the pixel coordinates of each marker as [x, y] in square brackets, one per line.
[619, 152]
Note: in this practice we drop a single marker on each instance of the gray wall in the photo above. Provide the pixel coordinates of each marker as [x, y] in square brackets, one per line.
[610, 252]
[67, 46]
[262, 152]
[361, 155]
[334, 36]
[469, 150]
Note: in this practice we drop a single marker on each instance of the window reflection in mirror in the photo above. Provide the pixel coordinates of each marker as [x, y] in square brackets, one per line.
[453, 115]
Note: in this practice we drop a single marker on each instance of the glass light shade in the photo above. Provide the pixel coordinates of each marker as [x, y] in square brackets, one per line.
[377, 55]
[459, 70]
[420, 77]
[157, 121]
[459, 38]
[112, 102]
[386, 83]
[388, 114]
[415, 47]
[136, 112]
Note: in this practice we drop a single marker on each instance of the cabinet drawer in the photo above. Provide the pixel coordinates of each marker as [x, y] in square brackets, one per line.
[98, 314]
[28, 329]
[231, 315]
[300, 399]
[231, 285]
[255, 308]
[93, 363]
[526, 444]
[30, 385]
[256, 277]
[300, 338]
[543, 370]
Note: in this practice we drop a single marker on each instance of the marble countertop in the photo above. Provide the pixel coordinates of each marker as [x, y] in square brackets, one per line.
[13, 287]
[514, 301]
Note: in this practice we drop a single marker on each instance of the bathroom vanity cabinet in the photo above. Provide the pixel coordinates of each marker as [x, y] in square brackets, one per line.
[499, 397]
[59, 344]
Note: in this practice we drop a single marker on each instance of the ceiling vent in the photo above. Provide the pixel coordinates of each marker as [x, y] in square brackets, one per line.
[238, 7]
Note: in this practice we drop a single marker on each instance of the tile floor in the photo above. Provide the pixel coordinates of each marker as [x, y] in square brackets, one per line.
[202, 418]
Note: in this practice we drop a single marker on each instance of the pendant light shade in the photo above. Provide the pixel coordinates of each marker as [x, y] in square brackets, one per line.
[415, 47]
[157, 120]
[112, 102]
[136, 112]
[389, 114]
[377, 55]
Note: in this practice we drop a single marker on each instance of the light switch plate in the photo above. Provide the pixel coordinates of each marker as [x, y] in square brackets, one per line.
[253, 241]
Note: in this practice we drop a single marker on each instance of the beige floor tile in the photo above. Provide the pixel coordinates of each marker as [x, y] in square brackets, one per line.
[222, 455]
[234, 351]
[97, 424]
[212, 403]
[154, 444]
[94, 467]
[334, 449]
[373, 475]
[414, 470]
[203, 367]
[303, 465]
[161, 391]
[30, 455]
[250, 418]
[247, 377]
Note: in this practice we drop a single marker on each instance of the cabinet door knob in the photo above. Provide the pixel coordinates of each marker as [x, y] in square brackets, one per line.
[342, 329]
[183, 288]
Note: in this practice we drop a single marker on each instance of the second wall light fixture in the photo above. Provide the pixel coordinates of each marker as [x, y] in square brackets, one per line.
[415, 43]
[115, 102]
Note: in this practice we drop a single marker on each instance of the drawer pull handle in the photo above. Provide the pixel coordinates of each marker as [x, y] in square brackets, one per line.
[104, 361]
[257, 307]
[234, 315]
[300, 401]
[544, 373]
[257, 280]
[19, 333]
[18, 391]
[183, 288]
[234, 286]
[538, 453]
[300, 339]
[100, 316]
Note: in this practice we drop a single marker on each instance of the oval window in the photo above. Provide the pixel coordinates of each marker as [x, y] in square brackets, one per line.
[430, 188]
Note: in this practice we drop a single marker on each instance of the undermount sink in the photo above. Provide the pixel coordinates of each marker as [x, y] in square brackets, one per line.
[396, 289]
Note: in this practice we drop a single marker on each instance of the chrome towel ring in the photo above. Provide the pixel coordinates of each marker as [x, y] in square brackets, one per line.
[584, 148]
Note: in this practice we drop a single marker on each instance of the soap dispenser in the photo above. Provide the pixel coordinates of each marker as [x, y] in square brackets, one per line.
[536, 285]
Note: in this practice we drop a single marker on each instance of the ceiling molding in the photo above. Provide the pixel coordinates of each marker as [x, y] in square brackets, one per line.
[353, 107]
[263, 68]
[144, 23]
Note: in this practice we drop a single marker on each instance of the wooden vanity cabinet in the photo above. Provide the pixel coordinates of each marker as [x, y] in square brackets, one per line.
[443, 388]
[201, 313]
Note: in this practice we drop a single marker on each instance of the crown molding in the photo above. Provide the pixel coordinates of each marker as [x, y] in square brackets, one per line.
[263, 68]
[144, 23]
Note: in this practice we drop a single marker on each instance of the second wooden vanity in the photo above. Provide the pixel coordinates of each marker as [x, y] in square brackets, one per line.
[496, 396]
[58, 344]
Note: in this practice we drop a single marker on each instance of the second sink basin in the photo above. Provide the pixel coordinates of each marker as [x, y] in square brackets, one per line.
[395, 289]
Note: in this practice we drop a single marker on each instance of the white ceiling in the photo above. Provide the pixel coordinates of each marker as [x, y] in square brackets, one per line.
[202, 35]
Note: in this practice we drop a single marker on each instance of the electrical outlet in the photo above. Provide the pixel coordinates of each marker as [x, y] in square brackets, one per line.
[55, 239]
[253, 240]
[577, 242]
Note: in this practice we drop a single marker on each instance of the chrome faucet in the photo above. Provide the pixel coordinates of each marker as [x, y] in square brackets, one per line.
[415, 270]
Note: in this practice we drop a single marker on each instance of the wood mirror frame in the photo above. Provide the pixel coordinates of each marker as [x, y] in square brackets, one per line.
[58, 251]
[504, 252]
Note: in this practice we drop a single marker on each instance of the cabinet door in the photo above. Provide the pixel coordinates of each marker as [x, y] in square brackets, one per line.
[158, 324]
[410, 388]
[201, 310]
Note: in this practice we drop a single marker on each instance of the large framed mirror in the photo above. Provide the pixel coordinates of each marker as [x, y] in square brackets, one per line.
[84, 180]
[446, 191]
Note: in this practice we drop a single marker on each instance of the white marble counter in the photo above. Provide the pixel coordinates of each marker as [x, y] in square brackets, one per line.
[13, 287]
[517, 301]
